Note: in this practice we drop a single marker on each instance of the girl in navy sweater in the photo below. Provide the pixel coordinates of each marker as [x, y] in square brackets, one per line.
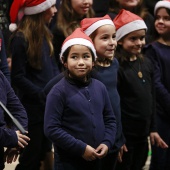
[33, 65]
[158, 51]
[102, 31]
[78, 117]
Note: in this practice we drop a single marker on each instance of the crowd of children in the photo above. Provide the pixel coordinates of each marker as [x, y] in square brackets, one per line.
[93, 84]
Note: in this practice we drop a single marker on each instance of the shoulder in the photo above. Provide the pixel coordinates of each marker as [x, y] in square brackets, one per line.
[97, 84]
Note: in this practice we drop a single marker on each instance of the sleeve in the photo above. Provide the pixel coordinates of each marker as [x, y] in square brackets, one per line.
[10, 100]
[3, 59]
[19, 66]
[110, 122]
[53, 125]
[8, 138]
[153, 116]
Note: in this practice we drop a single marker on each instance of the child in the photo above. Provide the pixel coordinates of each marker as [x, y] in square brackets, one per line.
[103, 34]
[78, 117]
[137, 7]
[158, 52]
[33, 65]
[135, 87]
[10, 137]
[69, 15]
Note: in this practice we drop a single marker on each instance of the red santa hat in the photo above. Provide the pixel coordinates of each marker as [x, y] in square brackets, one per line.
[28, 7]
[127, 22]
[89, 25]
[164, 4]
[78, 37]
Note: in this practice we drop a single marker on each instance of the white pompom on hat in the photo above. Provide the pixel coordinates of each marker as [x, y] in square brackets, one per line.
[89, 25]
[127, 22]
[29, 7]
[78, 37]
[164, 4]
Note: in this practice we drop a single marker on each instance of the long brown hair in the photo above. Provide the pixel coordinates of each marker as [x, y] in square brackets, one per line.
[35, 31]
[67, 19]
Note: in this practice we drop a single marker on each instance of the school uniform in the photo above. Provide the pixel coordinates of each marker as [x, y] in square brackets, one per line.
[159, 54]
[8, 137]
[29, 83]
[78, 114]
[108, 76]
[137, 108]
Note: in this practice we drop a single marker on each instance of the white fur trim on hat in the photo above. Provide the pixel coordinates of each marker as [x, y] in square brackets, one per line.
[159, 4]
[77, 41]
[96, 25]
[39, 8]
[12, 27]
[130, 27]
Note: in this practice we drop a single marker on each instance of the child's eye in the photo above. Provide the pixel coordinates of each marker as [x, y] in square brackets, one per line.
[104, 38]
[133, 38]
[74, 57]
[114, 37]
[167, 18]
[86, 56]
[142, 38]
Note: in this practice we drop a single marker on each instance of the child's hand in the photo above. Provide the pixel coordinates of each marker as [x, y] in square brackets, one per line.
[155, 138]
[11, 155]
[22, 139]
[101, 151]
[89, 154]
[122, 150]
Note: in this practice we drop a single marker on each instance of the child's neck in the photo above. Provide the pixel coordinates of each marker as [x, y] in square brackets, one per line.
[133, 58]
[104, 62]
[165, 41]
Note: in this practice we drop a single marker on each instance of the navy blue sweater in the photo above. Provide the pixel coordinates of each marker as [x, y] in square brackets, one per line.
[8, 137]
[77, 116]
[159, 54]
[29, 81]
[108, 76]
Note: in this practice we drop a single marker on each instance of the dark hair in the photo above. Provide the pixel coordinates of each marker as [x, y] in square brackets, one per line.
[123, 56]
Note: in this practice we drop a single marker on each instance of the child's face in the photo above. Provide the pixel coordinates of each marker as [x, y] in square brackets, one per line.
[81, 7]
[128, 4]
[162, 22]
[79, 61]
[105, 41]
[49, 14]
[133, 42]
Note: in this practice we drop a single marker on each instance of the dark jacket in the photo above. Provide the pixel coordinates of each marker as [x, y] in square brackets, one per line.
[8, 137]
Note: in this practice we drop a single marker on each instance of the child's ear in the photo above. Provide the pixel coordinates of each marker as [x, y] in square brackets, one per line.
[92, 64]
[65, 65]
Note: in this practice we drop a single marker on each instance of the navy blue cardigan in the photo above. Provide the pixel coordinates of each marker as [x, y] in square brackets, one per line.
[79, 116]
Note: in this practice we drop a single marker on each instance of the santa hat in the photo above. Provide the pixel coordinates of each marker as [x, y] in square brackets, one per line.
[28, 7]
[78, 37]
[89, 25]
[164, 4]
[127, 22]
